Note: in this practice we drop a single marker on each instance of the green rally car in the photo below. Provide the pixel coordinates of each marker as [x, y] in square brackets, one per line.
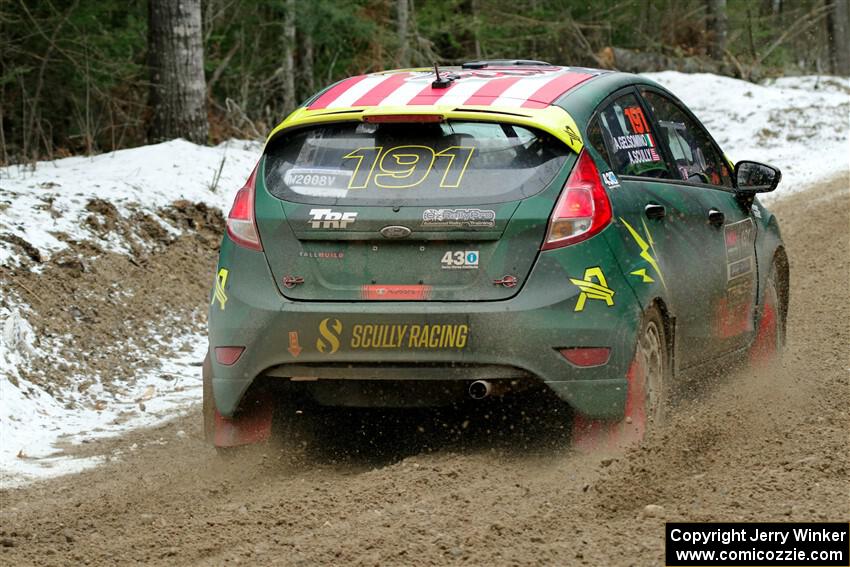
[422, 236]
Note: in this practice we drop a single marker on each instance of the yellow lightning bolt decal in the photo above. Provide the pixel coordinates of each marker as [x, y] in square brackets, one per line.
[646, 278]
[219, 294]
[645, 248]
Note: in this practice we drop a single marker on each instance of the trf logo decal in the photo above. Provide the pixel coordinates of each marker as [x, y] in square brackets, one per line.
[219, 293]
[591, 289]
[326, 218]
[330, 329]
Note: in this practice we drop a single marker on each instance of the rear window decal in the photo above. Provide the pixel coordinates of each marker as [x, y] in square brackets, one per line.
[403, 167]
[314, 177]
[636, 119]
[633, 141]
[621, 134]
[643, 156]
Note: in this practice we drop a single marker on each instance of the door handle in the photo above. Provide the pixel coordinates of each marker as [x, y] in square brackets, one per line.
[716, 218]
[654, 211]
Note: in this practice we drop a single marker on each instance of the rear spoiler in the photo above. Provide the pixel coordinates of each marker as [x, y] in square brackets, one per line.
[553, 120]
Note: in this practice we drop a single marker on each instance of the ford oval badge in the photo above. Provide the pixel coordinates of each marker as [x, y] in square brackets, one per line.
[395, 231]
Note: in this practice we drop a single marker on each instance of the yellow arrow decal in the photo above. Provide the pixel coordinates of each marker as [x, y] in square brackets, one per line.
[593, 290]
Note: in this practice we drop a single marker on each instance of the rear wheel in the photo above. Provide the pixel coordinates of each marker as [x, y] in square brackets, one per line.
[648, 381]
[770, 333]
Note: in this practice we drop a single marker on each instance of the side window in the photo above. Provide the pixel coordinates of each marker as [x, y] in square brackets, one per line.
[696, 158]
[621, 134]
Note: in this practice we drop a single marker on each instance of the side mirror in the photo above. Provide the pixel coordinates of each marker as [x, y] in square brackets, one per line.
[755, 177]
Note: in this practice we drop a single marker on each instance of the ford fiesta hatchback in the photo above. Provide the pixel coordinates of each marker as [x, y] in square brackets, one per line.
[422, 237]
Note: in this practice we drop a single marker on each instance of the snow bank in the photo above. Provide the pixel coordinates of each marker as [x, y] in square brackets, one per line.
[799, 124]
[46, 207]
[47, 204]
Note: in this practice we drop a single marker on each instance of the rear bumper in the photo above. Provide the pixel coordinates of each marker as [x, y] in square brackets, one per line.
[523, 332]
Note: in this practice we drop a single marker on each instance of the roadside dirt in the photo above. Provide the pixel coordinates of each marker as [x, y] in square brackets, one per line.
[110, 314]
[770, 446]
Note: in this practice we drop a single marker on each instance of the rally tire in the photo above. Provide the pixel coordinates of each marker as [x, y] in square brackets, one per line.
[648, 384]
[769, 341]
[652, 362]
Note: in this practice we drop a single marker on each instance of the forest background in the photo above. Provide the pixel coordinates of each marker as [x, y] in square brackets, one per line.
[87, 76]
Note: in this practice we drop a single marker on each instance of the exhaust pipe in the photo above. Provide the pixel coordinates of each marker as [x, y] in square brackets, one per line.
[480, 389]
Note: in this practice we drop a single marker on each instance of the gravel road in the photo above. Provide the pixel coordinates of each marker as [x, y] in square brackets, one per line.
[770, 446]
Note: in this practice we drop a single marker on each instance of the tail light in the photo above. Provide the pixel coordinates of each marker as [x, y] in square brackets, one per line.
[241, 224]
[586, 356]
[228, 355]
[583, 208]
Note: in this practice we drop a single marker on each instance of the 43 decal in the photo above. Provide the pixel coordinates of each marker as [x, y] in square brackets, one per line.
[402, 167]
[460, 260]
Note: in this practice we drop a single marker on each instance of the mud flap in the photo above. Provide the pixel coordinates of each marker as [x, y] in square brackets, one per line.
[594, 435]
[252, 422]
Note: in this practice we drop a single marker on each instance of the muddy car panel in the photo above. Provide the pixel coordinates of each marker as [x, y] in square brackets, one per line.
[523, 332]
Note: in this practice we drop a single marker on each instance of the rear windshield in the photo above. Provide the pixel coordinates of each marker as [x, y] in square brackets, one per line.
[412, 164]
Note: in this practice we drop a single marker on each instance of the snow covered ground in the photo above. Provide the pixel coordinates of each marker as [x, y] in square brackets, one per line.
[50, 200]
[35, 204]
[33, 422]
[798, 124]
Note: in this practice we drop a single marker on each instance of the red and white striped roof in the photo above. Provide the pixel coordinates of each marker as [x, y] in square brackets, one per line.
[503, 87]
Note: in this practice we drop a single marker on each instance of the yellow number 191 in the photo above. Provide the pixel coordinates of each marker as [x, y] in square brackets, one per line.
[402, 167]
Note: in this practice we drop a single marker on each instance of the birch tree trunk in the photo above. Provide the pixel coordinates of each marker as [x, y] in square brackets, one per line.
[176, 59]
[289, 57]
[839, 37]
[717, 26]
